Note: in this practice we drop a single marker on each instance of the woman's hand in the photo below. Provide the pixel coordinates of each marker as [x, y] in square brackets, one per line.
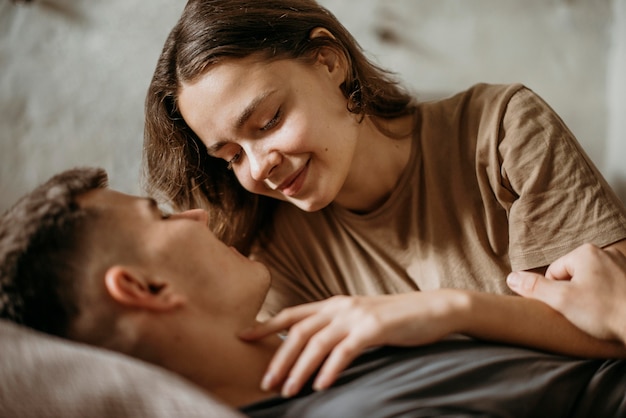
[334, 332]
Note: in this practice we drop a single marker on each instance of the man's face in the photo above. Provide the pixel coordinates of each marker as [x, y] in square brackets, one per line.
[181, 250]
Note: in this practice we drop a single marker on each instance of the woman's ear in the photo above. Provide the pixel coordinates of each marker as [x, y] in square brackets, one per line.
[329, 57]
[132, 287]
[320, 32]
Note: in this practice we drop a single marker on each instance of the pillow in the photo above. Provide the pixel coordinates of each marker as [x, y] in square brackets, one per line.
[43, 376]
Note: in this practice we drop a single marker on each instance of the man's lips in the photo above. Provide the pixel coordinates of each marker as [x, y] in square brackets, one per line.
[293, 183]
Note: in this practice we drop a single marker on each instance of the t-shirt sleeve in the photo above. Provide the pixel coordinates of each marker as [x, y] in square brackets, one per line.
[555, 197]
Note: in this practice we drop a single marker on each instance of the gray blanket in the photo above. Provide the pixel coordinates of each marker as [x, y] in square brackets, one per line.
[463, 378]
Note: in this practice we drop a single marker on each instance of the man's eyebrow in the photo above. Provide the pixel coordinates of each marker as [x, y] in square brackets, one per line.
[243, 118]
[151, 203]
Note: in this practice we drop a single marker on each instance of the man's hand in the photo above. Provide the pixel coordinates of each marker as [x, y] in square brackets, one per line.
[334, 332]
[588, 286]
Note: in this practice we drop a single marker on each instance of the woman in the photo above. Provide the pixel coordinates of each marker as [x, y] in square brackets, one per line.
[315, 161]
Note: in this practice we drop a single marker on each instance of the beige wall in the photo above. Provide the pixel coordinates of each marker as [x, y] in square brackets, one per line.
[73, 76]
[615, 150]
[73, 73]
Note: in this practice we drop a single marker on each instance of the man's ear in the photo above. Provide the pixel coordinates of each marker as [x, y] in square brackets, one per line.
[329, 57]
[131, 287]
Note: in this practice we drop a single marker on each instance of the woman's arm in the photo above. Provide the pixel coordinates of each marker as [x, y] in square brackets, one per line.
[510, 319]
[333, 332]
[588, 286]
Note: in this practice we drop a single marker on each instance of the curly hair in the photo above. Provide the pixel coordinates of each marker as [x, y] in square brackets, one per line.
[41, 251]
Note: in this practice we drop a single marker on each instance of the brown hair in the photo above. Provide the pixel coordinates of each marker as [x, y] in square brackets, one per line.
[42, 254]
[177, 167]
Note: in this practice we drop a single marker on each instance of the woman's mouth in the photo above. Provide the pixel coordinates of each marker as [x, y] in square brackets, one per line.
[293, 184]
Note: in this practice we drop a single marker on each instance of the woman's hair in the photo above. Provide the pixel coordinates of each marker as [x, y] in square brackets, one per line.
[43, 254]
[177, 168]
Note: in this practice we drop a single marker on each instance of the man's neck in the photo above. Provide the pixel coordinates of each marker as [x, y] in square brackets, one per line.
[243, 386]
[219, 362]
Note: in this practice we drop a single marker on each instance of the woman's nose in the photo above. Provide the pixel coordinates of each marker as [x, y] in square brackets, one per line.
[262, 164]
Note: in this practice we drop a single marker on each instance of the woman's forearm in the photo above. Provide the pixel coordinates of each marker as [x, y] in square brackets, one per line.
[527, 322]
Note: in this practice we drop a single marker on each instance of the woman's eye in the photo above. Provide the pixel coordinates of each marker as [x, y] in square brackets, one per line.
[234, 160]
[269, 125]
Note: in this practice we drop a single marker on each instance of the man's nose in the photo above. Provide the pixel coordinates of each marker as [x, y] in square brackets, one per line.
[199, 215]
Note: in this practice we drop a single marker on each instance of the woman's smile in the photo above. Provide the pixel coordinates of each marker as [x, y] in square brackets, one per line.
[293, 184]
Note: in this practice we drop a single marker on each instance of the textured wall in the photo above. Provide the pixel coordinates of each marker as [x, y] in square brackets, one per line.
[615, 166]
[73, 80]
[73, 73]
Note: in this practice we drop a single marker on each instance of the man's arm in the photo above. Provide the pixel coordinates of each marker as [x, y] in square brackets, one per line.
[588, 286]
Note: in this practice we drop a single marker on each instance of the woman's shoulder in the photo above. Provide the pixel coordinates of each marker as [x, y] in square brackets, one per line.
[481, 105]
[494, 90]
[479, 95]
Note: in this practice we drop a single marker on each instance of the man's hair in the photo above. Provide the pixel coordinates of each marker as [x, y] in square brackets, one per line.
[42, 254]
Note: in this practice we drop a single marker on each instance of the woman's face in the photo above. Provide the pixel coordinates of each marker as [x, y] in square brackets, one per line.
[282, 125]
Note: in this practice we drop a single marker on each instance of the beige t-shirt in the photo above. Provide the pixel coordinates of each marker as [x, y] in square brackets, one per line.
[495, 182]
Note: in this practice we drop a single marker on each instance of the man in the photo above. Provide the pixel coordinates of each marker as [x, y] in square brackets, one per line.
[93, 265]
[588, 286]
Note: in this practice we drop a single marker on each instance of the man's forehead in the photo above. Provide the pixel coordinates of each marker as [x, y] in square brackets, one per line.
[106, 198]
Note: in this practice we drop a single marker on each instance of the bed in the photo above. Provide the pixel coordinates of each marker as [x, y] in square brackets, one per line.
[43, 376]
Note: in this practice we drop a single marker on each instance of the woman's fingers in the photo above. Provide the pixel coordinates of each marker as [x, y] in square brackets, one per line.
[334, 345]
[291, 349]
[332, 333]
[345, 329]
[340, 357]
[310, 358]
[281, 322]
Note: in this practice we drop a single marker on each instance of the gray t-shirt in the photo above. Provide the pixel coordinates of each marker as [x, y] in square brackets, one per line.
[462, 378]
